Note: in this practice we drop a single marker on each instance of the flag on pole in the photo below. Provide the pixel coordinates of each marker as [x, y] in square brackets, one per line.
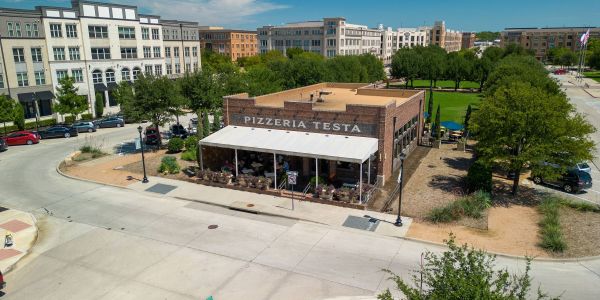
[584, 37]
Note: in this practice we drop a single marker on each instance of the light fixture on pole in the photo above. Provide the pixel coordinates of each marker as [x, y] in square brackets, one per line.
[400, 181]
[145, 180]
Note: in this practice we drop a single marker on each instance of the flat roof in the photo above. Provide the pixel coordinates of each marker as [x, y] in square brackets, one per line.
[335, 96]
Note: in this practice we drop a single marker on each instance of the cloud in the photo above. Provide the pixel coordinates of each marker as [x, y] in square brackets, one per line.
[209, 12]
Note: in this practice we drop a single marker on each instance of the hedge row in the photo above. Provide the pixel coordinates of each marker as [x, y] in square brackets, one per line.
[28, 125]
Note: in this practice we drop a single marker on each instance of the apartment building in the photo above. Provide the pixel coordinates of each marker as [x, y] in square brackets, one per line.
[468, 40]
[181, 41]
[97, 44]
[451, 40]
[540, 40]
[393, 40]
[231, 42]
[24, 69]
[329, 37]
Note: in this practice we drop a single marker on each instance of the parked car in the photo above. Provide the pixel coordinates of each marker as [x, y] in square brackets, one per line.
[3, 145]
[2, 282]
[560, 72]
[583, 166]
[193, 126]
[109, 122]
[151, 136]
[572, 181]
[58, 131]
[85, 126]
[177, 130]
[22, 138]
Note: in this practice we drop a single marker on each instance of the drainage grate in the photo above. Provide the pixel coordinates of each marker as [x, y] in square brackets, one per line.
[160, 188]
[361, 223]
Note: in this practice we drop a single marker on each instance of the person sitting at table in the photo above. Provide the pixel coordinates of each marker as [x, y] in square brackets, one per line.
[227, 167]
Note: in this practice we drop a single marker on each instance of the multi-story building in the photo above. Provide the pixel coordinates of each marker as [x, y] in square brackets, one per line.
[393, 40]
[97, 44]
[468, 40]
[451, 40]
[329, 37]
[182, 47]
[540, 40]
[24, 70]
[231, 42]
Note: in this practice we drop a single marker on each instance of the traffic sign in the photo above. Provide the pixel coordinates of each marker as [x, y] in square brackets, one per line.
[292, 176]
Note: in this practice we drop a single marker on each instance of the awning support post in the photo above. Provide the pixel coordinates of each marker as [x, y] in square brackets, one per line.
[316, 172]
[201, 160]
[275, 171]
[236, 164]
[369, 171]
[360, 184]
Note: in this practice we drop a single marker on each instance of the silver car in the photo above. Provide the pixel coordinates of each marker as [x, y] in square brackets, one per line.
[85, 127]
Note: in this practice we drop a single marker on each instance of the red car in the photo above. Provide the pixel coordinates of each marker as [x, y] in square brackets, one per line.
[560, 72]
[22, 138]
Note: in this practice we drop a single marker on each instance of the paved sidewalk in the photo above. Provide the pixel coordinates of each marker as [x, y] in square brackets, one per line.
[21, 226]
[272, 205]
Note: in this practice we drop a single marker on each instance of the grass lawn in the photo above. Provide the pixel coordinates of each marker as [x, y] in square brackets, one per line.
[592, 75]
[446, 84]
[453, 105]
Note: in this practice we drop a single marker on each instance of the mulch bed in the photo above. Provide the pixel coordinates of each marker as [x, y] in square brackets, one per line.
[581, 231]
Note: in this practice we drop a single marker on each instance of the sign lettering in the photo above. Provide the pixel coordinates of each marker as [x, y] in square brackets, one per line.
[283, 123]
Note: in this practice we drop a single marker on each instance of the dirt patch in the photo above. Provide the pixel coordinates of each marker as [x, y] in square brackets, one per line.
[581, 231]
[153, 163]
[511, 230]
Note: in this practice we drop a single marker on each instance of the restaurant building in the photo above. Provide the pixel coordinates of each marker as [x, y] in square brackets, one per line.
[349, 134]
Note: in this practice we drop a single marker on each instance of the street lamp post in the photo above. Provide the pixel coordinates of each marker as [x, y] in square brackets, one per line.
[145, 180]
[400, 181]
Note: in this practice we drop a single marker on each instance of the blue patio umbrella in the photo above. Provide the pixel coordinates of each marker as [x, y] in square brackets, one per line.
[425, 115]
[451, 125]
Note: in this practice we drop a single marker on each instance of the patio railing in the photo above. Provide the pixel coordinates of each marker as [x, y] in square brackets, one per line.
[371, 193]
[282, 184]
[306, 189]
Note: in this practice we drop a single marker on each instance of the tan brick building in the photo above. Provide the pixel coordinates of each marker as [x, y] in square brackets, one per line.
[540, 40]
[451, 40]
[231, 42]
[468, 40]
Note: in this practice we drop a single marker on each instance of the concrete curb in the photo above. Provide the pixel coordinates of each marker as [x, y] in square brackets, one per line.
[35, 238]
[86, 180]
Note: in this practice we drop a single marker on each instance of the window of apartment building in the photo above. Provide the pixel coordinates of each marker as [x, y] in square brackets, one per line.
[169, 68]
[167, 51]
[60, 74]
[195, 66]
[125, 74]
[11, 29]
[158, 70]
[136, 72]
[188, 68]
[28, 31]
[331, 43]
[175, 34]
[128, 52]
[145, 33]
[263, 43]
[17, 29]
[35, 30]
[77, 75]
[74, 53]
[177, 68]
[19, 55]
[195, 51]
[148, 70]
[22, 79]
[330, 53]
[331, 31]
[97, 76]
[126, 32]
[155, 34]
[147, 53]
[315, 43]
[166, 34]
[40, 78]
[100, 53]
[55, 30]
[186, 51]
[110, 75]
[156, 51]
[98, 32]
[36, 54]
[1, 81]
[71, 30]
[175, 51]
[59, 53]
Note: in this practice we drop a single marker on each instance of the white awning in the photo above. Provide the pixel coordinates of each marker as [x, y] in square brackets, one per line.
[304, 144]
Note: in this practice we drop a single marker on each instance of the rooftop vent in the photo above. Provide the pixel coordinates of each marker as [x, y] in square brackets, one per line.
[321, 94]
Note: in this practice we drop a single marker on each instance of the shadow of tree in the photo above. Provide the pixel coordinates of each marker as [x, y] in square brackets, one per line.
[527, 196]
[458, 163]
[450, 184]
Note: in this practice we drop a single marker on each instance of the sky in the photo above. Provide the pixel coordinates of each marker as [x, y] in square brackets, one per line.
[463, 15]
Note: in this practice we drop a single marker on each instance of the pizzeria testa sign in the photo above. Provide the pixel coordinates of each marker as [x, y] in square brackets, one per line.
[304, 124]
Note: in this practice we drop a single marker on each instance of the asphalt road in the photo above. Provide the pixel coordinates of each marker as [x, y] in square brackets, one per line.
[99, 242]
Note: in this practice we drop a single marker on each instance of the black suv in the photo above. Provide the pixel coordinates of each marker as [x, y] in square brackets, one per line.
[179, 131]
[573, 181]
[58, 131]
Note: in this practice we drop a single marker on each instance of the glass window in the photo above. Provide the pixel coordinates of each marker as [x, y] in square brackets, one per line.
[167, 51]
[17, 29]
[98, 32]
[186, 51]
[148, 69]
[77, 75]
[158, 70]
[22, 79]
[110, 75]
[1, 81]
[125, 74]
[36, 54]
[28, 32]
[71, 30]
[128, 52]
[100, 53]
[74, 53]
[156, 51]
[145, 33]
[195, 51]
[97, 76]
[11, 29]
[188, 67]
[155, 35]
[59, 53]
[55, 30]
[169, 68]
[35, 30]
[147, 53]
[195, 66]
[175, 51]
[126, 32]
[40, 78]
[19, 55]
[136, 72]
[177, 68]
[60, 74]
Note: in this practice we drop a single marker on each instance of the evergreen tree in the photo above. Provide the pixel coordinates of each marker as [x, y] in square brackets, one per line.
[467, 117]
[438, 129]
[430, 106]
[216, 122]
[68, 101]
[7, 107]
[205, 125]
[99, 105]
[19, 116]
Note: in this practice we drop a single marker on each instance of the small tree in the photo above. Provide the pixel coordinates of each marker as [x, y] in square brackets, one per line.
[7, 107]
[467, 117]
[19, 116]
[205, 125]
[438, 127]
[463, 273]
[99, 105]
[216, 126]
[430, 106]
[68, 101]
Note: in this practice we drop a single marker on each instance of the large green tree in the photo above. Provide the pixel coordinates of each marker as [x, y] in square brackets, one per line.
[457, 68]
[68, 102]
[374, 67]
[346, 69]
[434, 63]
[260, 80]
[7, 108]
[406, 63]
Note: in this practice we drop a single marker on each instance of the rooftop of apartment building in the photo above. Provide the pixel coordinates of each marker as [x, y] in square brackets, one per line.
[221, 29]
[549, 28]
[334, 96]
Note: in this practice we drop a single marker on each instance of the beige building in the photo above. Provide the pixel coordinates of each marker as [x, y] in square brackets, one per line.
[468, 40]
[182, 47]
[540, 40]
[230, 42]
[24, 70]
[451, 40]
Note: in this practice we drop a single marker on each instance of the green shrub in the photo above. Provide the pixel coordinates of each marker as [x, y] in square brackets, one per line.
[444, 214]
[479, 177]
[313, 180]
[189, 155]
[581, 206]
[169, 165]
[69, 119]
[550, 228]
[19, 117]
[87, 117]
[175, 145]
[191, 143]
[31, 125]
[469, 206]
[99, 105]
